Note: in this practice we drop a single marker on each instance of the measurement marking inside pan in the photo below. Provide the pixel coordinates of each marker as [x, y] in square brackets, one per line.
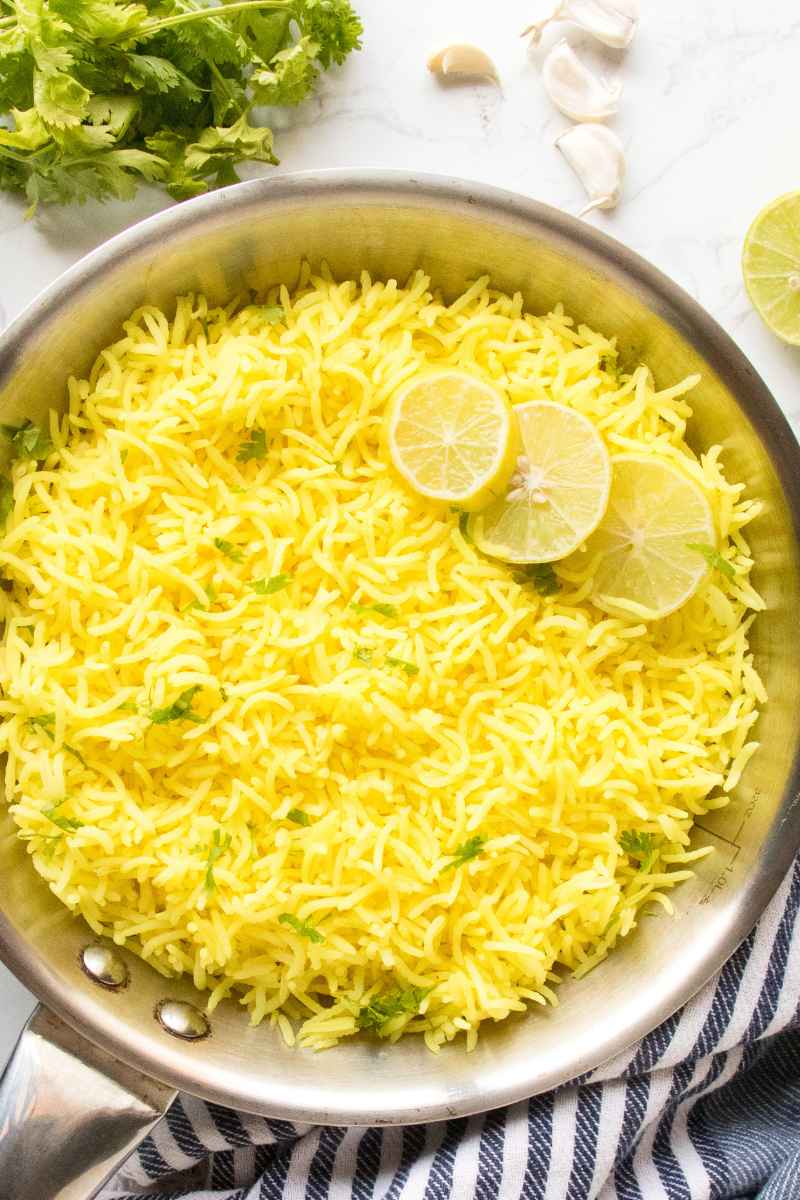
[735, 841]
[724, 875]
[719, 836]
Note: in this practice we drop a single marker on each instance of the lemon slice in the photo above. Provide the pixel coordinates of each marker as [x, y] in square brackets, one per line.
[558, 493]
[771, 266]
[649, 563]
[452, 437]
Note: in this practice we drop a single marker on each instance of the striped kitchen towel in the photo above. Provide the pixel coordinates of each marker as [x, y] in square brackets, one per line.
[707, 1107]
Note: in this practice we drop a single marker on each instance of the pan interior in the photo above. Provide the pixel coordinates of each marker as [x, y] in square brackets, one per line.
[256, 235]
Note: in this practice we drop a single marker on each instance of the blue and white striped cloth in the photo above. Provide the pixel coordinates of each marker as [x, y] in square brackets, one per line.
[707, 1107]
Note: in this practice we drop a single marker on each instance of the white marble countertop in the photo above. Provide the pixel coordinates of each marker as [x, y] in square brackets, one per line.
[708, 118]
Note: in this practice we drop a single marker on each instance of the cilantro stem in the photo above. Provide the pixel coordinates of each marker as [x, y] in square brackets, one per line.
[148, 28]
[221, 80]
[76, 161]
[28, 157]
[6, 153]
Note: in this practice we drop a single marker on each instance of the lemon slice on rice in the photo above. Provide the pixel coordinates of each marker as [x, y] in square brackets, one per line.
[558, 493]
[650, 544]
[452, 437]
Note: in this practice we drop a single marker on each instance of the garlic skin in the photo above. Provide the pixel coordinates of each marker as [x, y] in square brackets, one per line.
[550, 10]
[462, 61]
[612, 22]
[597, 157]
[574, 89]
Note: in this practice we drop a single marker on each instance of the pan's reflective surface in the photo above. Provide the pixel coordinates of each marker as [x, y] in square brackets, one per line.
[254, 235]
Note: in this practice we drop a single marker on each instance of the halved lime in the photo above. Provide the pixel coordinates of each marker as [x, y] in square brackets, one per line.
[771, 266]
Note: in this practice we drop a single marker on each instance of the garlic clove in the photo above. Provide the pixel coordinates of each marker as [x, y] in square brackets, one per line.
[613, 22]
[597, 157]
[462, 61]
[574, 89]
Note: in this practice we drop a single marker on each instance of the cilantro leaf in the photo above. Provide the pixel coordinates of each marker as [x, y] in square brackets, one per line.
[254, 449]
[468, 850]
[45, 723]
[713, 558]
[28, 440]
[272, 314]
[6, 499]
[104, 18]
[608, 363]
[219, 147]
[463, 526]
[211, 594]
[385, 610]
[267, 587]
[363, 654]
[219, 845]
[76, 754]
[409, 667]
[264, 32]
[151, 73]
[639, 846]
[68, 824]
[60, 99]
[333, 25]
[541, 575]
[234, 553]
[381, 1009]
[170, 148]
[291, 77]
[16, 75]
[304, 928]
[179, 710]
[298, 816]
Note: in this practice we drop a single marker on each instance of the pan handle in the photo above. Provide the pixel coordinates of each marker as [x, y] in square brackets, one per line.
[70, 1114]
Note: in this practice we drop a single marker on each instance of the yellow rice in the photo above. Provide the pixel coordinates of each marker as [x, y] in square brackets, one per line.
[537, 723]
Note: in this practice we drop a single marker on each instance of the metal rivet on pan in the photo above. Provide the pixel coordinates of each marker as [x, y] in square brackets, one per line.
[183, 1020]
[104, 966]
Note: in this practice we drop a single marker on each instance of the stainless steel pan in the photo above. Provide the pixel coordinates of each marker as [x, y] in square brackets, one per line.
[82, 1087]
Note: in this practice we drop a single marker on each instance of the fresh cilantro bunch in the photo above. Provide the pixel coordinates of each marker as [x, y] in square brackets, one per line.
[101, 94]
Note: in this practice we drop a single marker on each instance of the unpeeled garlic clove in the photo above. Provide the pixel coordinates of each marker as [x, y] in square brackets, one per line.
[574, 89]
[613, 22]
[597, 157]
[464, 62]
